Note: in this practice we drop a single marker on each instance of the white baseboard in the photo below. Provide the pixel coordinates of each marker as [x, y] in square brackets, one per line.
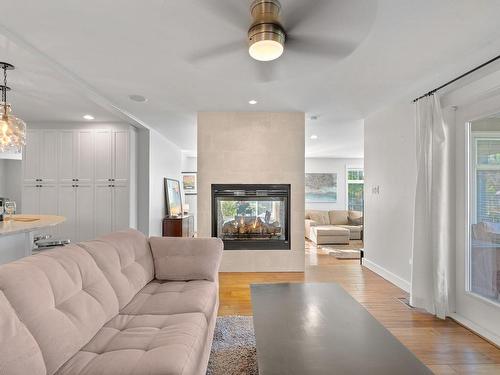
[489, 336]
[388, 275]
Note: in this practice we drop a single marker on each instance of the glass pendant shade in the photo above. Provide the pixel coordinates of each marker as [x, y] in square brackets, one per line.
[12, 131]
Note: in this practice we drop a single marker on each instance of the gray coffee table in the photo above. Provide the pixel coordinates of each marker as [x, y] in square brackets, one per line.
[309, 329]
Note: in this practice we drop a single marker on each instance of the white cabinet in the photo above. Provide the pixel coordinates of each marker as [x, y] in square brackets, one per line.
[81, 174]
[76, 156]
[112, 208]
[103, 156]
[40, 156]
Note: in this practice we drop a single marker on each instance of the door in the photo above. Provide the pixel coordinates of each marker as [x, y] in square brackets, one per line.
[30, 200]
[121, 205]
[49, 156]
[31, 157]
[103, 209]
[121, 157]
[85, 156]
[66, 156]
[67, 208]
[84, 212]
[103, 156]
[48, 195]
[478, 217]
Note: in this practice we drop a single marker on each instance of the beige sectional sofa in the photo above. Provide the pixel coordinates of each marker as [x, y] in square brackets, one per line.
[121, 304]
[333, 227]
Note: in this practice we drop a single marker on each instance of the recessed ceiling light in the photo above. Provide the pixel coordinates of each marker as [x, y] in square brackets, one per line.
[314, 136]
[88, 117]
[138, 98]
[253, 101]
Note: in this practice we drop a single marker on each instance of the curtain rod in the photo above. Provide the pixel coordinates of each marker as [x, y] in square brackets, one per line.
[457, 78]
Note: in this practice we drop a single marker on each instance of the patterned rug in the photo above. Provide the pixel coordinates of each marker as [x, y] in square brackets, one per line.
[233, 349]
[342, 253]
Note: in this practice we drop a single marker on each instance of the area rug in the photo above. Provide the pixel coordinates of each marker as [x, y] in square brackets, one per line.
[233, 348]
[342, 253]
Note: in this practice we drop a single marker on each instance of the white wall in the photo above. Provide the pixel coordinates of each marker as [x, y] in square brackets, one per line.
[165, 160]
[13, 181]
[258, 158]
[390, 165]
[332, 165]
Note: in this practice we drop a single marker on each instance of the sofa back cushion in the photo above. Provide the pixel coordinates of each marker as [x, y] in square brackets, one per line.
[355, 217]
[19, 352]
[320, 217]
[339, 217]
[126, 260]
[63, 299]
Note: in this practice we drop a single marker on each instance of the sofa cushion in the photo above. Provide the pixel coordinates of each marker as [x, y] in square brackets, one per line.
[355, 217]
[62, 297]
[19, 352]
[125, 259]
[338, 217]
[352, 228]
[174, 297]
[320, 217]
[330, 230]
[186, 258]
[144, 344]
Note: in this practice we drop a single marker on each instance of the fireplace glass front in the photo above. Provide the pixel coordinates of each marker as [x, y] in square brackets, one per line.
[251, 217]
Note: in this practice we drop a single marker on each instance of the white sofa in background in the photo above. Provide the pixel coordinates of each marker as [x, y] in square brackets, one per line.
[333, 227]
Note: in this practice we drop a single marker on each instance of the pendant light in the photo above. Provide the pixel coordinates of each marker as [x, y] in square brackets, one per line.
[12, 129]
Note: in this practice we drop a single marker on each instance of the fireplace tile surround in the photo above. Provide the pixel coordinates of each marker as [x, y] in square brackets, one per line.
[253, 148]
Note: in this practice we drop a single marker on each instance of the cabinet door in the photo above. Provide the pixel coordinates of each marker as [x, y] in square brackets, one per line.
[31, 157]
[67, 156]
[30, 202]
[67, 208]
[85, 212]
[121, 156]
[49, 205]
[121, 205]
[49, 155]
[103, 209]
[103, 156]
[85, 156]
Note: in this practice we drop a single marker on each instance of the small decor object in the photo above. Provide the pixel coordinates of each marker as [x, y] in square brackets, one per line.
[173, 197]
[321, 187]
[189, 183]
[12, 129]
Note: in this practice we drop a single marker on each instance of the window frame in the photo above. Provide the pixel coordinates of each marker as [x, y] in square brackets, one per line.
[348, 181]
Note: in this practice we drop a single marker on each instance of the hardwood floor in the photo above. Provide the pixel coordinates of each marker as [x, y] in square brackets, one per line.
[444, 346]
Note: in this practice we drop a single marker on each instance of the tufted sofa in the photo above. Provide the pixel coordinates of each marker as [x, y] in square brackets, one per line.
[121, 304]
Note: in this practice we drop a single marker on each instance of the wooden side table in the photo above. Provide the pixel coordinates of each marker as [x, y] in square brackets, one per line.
[178, 226]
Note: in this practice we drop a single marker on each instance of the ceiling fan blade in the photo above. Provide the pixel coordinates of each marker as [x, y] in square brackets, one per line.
[265, 71]
[217, 51]
[316, 45]
[232, 11]
[302, 11]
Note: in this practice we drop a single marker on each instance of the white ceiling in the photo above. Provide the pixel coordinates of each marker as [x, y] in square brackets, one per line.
[78, 57]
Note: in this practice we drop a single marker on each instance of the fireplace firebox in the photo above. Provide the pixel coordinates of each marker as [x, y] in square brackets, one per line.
[251, 217]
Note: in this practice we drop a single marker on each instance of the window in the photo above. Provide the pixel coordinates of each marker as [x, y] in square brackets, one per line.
[355, 188]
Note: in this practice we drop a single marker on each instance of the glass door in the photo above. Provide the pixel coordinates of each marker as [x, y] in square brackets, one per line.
[477, 302]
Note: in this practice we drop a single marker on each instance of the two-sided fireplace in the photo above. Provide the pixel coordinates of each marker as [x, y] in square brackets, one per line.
[251, 217]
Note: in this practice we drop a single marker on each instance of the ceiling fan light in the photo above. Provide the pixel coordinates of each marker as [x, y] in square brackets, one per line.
[266, 50]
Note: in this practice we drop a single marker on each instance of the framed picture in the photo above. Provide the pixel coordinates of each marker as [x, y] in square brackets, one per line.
[321, 187]
[189, 183]
[173, 197]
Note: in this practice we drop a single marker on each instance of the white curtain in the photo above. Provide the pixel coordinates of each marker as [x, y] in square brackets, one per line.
[432, 227]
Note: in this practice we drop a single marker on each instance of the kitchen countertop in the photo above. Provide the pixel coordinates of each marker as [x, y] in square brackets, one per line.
[8, 227]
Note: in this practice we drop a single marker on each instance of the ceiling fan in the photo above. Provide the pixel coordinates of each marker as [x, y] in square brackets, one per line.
[270, 33]
[299, 31]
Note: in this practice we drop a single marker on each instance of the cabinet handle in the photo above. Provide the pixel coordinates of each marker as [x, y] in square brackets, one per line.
[76, 179]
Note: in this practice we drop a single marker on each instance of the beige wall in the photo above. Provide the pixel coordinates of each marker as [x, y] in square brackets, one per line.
[260, 148]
